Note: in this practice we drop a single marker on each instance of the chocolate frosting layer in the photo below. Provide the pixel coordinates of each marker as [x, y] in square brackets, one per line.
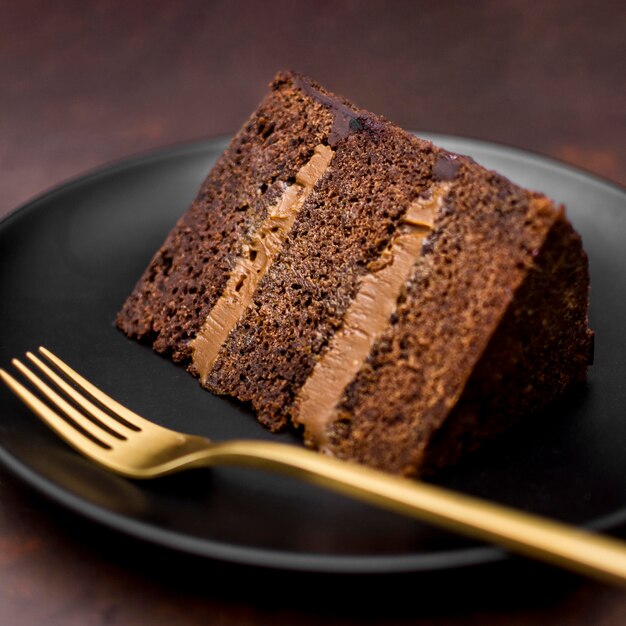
[258, 254]
[365, 320]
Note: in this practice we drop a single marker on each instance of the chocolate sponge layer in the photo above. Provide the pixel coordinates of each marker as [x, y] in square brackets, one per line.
[489, 327]
[188, 273]
[341, 231]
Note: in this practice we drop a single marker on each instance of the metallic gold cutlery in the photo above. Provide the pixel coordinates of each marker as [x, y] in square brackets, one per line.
[121, 441]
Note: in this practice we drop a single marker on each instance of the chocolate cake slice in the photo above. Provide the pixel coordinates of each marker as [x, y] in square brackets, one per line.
[397, 303]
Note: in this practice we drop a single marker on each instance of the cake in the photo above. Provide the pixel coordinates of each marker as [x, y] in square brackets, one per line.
[396, 303]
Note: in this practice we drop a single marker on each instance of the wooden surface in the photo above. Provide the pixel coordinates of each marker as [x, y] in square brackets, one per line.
[87, 83]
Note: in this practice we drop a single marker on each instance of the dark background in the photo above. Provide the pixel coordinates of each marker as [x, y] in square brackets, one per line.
[86, 83]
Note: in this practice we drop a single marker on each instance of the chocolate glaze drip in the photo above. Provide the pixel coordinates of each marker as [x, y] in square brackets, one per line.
[345, 121]
[446, 168]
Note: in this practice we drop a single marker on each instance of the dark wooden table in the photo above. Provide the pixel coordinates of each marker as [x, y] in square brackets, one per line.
[86, 83]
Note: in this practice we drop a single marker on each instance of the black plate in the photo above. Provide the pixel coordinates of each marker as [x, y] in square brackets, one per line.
[67, 262]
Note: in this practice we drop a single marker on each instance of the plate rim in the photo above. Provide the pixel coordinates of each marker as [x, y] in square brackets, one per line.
[251, 555]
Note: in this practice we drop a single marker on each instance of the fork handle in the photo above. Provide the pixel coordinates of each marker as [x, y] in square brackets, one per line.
[550, 541]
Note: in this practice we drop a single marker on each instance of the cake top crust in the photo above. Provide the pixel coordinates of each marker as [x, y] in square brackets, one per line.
[345, 117]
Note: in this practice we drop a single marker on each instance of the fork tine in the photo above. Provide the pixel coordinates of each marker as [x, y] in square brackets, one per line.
[73, 414]
[110, 422]
[66, 431]
[135, 421]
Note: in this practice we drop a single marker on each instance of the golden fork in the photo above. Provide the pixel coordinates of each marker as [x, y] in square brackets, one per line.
[132, 446]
